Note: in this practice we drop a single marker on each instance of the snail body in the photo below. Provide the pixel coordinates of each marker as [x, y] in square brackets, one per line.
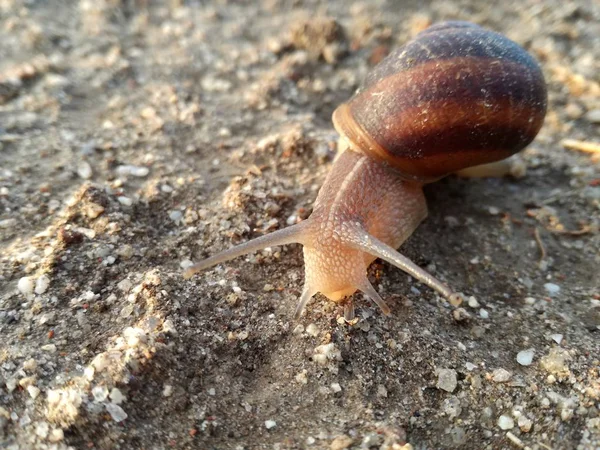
[454, 97]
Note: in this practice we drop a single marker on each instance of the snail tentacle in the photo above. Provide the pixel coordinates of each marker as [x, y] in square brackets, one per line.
[307, 294]
[368, 289]
[355, 236]
[349, 311]
[295, 234]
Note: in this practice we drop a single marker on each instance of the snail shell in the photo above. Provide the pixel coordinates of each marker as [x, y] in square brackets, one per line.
[455, 96]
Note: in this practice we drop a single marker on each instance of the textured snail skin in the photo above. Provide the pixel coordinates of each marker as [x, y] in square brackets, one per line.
[454, 97]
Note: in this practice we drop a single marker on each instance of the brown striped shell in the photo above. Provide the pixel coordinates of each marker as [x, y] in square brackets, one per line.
[455, 96]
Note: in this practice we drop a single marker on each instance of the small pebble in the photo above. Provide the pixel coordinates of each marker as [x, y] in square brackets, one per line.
[11, 384]
[116, 412]
[447, 380]
[56, 435]
[167, 390]
[30, 365]
[33, 391]
[186, 263]
[84, 170]
[125, 251]
[341, 442]
[100, 393]
[484, 314]
[298, 329]
[8, 223]
[505, 422]
[470, 366]
[25, 286]
[312, 330]
[41, 429]
[270, 424]
[593, 116]
[557, 338]
[524, 423]
[125, 201]
[552, 288]
[472, 302]
[176, 216]
[301, 377]
[525, 357]
[116, 396]
[41, 284]
[136, 171]
[93, 210]
[335, 387]
[501, 375]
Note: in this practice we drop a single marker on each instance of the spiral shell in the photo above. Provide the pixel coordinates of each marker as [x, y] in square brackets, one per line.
[455, 96]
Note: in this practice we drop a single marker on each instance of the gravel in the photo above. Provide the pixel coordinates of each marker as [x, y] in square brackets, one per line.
[138, 137]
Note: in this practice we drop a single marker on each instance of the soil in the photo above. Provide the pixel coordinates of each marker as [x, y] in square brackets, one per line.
[137, 136]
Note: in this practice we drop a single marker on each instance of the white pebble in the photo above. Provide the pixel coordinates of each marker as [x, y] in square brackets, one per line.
[50, 348]
[298, 329]
[301, 377]
[41, 285]
[8, 223]
[56, 435]
[505, 422]
[116, 412]
[169, 327]
[484, 314]
[30, 365]
[185, 264]
[125, 201]
[136, 171]
[557, 338]
[101, 362]
[335, 387]
[176, 216]
[501, 375]
[269, 424]
[472, 302]
[100, 393]
[552, 288]
[116, 396]
[312, 330]
[11, 384]
[525, 357]
[447, 380]
[25, 286]
[325, 353]
[524, 423]
[42, 429]
[33, 391]
[167, 390]
[89, 373]
[84, 170]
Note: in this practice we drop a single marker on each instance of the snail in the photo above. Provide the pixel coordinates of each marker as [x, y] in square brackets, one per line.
[454, 97]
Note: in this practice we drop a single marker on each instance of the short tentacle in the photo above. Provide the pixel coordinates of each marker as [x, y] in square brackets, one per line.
[290, 235]
[368, 289]
[307, 294]
[349, 311]
[354, 235]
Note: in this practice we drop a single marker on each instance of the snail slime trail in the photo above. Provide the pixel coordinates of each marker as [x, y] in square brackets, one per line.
[454, 97]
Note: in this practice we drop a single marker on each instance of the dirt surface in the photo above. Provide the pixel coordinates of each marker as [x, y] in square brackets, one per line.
[137, 136]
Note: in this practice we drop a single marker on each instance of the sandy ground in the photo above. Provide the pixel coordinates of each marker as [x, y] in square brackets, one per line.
[136, 136]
